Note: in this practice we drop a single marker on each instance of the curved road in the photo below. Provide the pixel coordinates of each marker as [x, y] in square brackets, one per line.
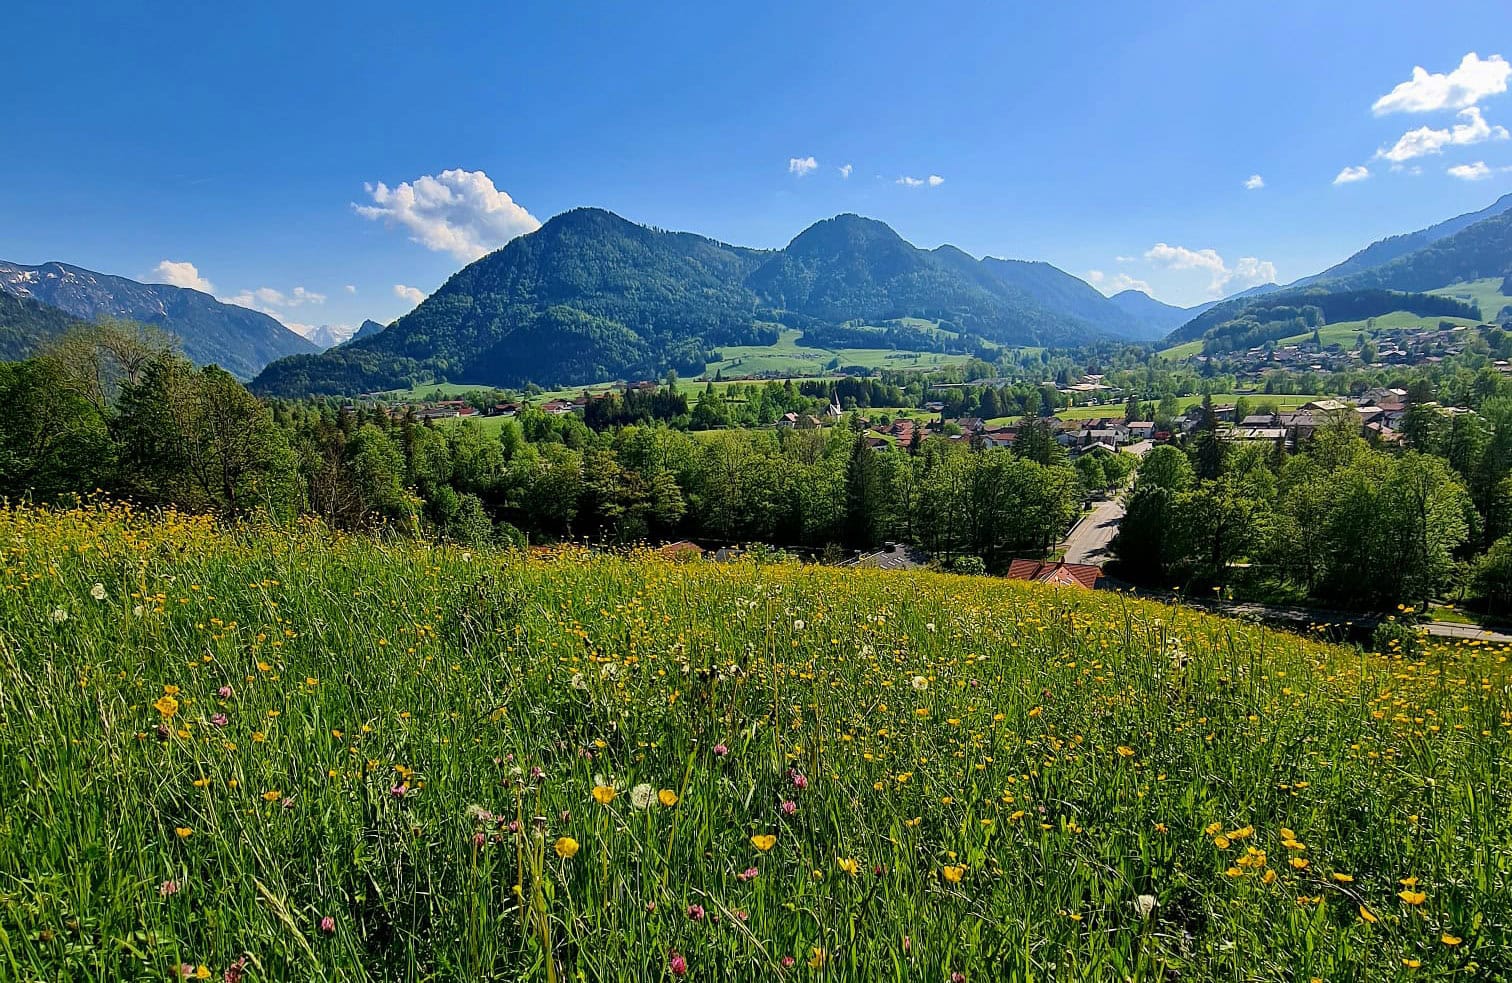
[1087, 542]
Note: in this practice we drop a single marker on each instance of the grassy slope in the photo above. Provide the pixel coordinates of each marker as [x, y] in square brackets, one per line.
[1487, 293]
[1017, 764]
[787, 357]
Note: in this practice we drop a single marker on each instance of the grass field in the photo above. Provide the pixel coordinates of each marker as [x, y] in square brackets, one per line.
[1486, 293]
[291, 755]
[1345, 332]
[1281, 401]
[787, 357]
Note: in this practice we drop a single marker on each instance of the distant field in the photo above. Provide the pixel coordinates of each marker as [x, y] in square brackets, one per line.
[789, 358]
[1345, 332]
[1487, 293]
[1282, 401]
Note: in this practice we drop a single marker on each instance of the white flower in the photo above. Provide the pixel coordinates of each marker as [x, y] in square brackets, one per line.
[920, 683]
[58, 616]
[97, 592]
[136, 612]
[466, 557]
[578, 682]
[642, 795]
[1145, 905]
[798, 625]
[930, 626]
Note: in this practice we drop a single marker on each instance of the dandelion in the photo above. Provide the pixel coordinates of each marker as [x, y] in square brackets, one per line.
[1366, 916]
[1412, 897]
[920, 684]
[566, 847]
[667, 797]
[953, 872]
[764, 841]
[1450, 940]
[1124, 751]
[272, 795]
[1342, 878]
[183, 832]
[1145, 906]
[604, 794]
[166, 705]
[798, 625]
[578, 681]
[97, 592]
[641, 796]
[848, 864]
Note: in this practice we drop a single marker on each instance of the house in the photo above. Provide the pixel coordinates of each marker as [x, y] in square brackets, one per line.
[681, 550]
[1140, 429]
[970, 424]
[934, 406]
[1259, 420]
[998, 439]
[504, 409]
[1110, 437]
[1325, 406]
[558, 407]
[1061, 574]
[1380, 394]
[833, 411]
[879, 443]
[1255, 434]
[1099, 447]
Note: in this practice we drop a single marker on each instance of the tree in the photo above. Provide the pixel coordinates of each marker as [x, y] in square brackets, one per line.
[1166, 467]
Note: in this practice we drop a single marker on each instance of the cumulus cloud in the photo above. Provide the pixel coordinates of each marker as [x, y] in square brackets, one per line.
[1117, 283]
[411, 294]
[845, 171]
[1254, 183]
[1350, 175]
[1471, 82]
[1426, 140]
[1248, 271]
[458, 212]
[911, 182]
[933, 181]
[1477, 171]
[350, 288]
[181, 274]
[802, 165]
[274, 302]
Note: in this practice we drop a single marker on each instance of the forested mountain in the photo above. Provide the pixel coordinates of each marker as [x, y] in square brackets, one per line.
[1056, 290]
[26, 325]
[591, 296]
[366, 329]
[239, 340]
[1383, 251]
[1478, 250]
[1154, 315]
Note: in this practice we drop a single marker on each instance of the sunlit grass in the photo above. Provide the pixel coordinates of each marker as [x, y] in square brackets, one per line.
[301, 756]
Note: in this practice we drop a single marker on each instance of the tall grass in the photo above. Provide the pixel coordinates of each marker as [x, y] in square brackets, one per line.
[284, 754]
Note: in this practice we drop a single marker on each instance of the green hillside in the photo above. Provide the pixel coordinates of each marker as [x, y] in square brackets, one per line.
[322, 757]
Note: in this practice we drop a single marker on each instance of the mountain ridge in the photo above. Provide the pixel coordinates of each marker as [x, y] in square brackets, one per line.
[239, 340]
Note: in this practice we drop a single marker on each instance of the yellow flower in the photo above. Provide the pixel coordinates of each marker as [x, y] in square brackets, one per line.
[272, 795]
[166, 705]
[566, 847]
[1221, 842]
[1448, 939]
[849, 864]
[816, 961]
[764, 841]
[1412, 963]
[1233, 872]
[603, 794]
[184, 832]
[667, 797]
[170, 690]
[953, 872]
[1343, 878]
[1366, 915]
[1299, 863]
[1124, 751]
[1213, 829]
[1412, 897]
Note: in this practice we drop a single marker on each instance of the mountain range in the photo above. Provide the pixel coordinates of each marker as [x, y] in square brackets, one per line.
[592, 296]
[1388, 275]
[239, 340]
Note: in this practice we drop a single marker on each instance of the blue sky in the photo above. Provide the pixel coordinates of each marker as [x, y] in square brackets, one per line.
[244, 148]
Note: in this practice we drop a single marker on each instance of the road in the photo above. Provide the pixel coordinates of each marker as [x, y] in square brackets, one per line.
[1087, 542]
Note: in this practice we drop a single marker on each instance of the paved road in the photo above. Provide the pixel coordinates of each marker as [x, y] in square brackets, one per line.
[1087, 542]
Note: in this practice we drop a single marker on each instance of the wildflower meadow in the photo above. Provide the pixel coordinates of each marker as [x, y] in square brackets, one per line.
[273, 753]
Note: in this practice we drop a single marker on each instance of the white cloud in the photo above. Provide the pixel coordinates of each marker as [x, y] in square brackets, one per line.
[1124, 259]
[1349, 175]
[910, 182]
[935, 180]
[181, 275]
[458, 212]
[350, 288]
[1426, 140]
[271, 301]
[845, 171]
[1472, 81]
[802, 165]
[411, 294]
[1254, 183]
[1477, 171]
[1117, 283]
[1182, 258]
[1249, 271]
